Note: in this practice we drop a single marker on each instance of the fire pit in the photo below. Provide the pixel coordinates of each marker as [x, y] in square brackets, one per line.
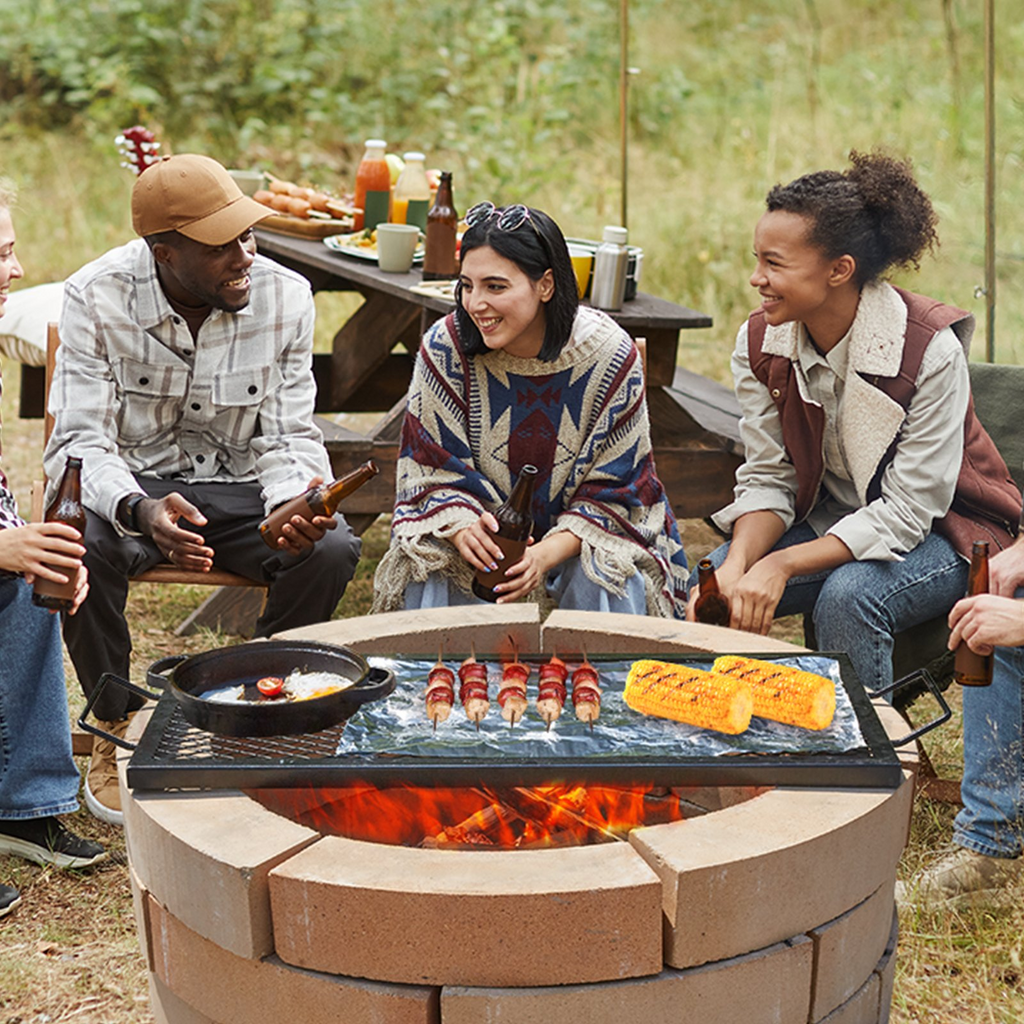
[745, 903]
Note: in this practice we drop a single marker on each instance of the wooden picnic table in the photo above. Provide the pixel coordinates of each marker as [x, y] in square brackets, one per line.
[693, 419]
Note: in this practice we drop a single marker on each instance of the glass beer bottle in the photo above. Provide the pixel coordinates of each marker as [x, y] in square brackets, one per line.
[515, 524]
[317, 501]
[439, 260]
[66, 508]
[712, 606]
[969, 668]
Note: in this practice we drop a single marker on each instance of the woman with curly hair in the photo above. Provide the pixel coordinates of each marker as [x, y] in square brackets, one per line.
[867, 474]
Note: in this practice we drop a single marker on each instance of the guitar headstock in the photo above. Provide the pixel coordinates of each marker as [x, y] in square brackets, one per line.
[138, 148]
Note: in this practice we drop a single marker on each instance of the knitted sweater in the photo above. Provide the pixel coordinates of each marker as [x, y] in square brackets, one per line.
[473, 422]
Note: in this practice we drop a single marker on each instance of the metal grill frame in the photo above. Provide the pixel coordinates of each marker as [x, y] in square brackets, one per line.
[175, 755]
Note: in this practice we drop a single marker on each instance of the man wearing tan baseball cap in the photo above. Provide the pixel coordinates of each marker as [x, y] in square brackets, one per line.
[194, 196]
[184, 383]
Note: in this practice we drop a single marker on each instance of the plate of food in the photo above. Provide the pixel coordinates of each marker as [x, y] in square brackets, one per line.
[363, 245]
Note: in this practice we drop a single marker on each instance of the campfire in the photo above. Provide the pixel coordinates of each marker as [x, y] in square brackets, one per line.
[618, 883]
[480, 817]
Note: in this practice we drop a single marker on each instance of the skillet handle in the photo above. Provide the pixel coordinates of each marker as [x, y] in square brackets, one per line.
[109, 677]
[156, 674]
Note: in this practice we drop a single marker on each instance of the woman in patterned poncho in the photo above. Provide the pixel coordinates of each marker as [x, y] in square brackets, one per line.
[520, 374]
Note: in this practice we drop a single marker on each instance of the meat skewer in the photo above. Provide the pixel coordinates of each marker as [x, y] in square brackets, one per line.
[473, 688]
[440, 692]
[512, 695]
[551, 690]
[586, 693]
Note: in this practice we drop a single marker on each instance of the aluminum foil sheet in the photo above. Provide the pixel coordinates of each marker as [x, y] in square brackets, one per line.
[399, 725]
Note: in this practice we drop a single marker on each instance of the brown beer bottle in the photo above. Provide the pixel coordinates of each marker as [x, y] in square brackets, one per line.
[515, 524]
[66, 508]
[970, 669]
[317, 501]
[439, 260]
[712, 606]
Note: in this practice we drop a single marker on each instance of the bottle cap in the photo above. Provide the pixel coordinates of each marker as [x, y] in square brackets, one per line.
[376, 144]
[615, 234]
[414, 156]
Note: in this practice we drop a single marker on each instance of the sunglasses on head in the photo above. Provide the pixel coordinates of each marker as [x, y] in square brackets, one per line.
[509, 217]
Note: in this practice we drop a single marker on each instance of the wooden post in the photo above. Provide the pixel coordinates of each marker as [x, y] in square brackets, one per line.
[623, 106]
[990, 183]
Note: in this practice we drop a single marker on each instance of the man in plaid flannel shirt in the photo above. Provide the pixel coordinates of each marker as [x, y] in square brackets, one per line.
[184, 383]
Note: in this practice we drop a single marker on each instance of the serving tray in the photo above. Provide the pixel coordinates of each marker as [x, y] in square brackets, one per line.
[300, 227]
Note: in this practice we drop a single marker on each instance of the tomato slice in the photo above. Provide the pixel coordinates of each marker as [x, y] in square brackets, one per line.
[270, 686]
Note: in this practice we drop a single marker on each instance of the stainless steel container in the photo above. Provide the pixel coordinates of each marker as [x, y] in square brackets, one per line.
[610, 262]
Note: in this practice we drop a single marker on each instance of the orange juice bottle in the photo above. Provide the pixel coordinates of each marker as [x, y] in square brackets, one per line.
[373, 186]
[411, 200]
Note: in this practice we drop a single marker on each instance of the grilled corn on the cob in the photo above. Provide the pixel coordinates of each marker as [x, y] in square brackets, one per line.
[704, 699]
[782, 693]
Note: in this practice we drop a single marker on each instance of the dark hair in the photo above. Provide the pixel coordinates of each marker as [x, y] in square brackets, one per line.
[875, 212]
[534, 247]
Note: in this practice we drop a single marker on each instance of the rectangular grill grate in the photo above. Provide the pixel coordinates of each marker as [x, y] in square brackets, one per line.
[175, 755]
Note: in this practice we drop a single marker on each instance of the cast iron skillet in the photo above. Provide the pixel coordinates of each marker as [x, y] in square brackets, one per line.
[188, 678]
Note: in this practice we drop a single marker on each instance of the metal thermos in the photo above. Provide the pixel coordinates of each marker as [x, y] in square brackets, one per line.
[610, 262]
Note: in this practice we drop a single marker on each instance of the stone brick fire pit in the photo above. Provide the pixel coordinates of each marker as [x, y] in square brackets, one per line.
[777, 908]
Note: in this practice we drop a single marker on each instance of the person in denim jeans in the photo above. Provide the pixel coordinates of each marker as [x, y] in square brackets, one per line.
[866, 473]
[38, 777]
[988, 834]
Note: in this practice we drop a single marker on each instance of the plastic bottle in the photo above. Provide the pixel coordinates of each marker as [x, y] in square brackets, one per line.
[969, 668]
[410, 202]
[317, 501]
[373, 186]
[610, 261]
[66, 508]
[712, 606]
[439, 260]
[515, 524]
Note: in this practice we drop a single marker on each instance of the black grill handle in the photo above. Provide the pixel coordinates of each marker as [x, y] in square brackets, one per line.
[930, 685]
[109, 677]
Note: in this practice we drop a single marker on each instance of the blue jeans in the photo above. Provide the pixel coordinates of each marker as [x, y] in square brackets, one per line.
[567, 584]
[860, 606]
[37, 774]
[992, 819]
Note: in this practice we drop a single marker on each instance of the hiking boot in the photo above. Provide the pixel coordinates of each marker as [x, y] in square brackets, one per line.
[9, 899]
[48, 841]
[102, 793]
[961, 877]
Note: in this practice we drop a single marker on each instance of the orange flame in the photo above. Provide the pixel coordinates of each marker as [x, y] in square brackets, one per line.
[517, 817]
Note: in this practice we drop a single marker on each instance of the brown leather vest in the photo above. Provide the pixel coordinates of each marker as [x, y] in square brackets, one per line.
[986, 502]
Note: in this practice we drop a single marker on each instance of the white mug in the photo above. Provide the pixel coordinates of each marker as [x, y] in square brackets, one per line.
[396, 245]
